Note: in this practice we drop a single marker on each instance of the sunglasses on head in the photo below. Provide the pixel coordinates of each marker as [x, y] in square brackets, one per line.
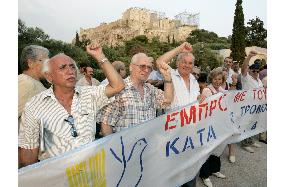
[70, 121]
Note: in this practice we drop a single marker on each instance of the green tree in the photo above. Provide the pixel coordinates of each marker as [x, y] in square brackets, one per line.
[204, 56]
[85, 41]
[141, 38]
[256, 34]
[77, 40]
[215, 42]
[202, 35]
[238, 37]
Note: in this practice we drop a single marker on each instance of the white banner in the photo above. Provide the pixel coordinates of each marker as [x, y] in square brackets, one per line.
[166, 151]
[247, 112]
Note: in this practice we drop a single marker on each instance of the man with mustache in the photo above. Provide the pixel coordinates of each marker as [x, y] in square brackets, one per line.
[64, 116]
[88, 79]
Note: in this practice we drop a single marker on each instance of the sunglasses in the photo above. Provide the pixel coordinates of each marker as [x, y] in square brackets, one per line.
[70, 120]
[144, 67]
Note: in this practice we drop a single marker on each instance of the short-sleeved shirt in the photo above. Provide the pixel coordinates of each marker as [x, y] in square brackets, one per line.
[248, 82]
[27, 88]
[83, 82]
[183, 95]
[129, 109]
[44, 125]
[105, 82]
[229, 77]
[155, 75]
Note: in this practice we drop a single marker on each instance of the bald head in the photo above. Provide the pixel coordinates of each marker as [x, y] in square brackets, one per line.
[61, 71]
[55, 59]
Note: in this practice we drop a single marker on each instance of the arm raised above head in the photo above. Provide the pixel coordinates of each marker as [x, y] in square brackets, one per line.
[244, 69]
[184, 47]
[116, 83]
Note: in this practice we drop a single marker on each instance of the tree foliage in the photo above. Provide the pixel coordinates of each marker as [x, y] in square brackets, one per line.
[205, 42]
[212, 39]
[28, 36]
[204, 56]
[238, 37]
[256, 34]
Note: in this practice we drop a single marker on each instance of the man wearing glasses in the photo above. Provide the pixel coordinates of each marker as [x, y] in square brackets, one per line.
[250, 79]
[29, 84]
[64, 116]
[139, 100]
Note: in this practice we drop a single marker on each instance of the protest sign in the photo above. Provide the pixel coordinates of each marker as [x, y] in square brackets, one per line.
[166, 151]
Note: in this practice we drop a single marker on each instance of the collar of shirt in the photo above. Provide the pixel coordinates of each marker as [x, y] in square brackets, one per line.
[129, 84]
[214, 91]
[191, 77]
[49, 92]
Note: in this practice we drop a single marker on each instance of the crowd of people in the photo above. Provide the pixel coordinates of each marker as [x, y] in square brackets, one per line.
[77, 108]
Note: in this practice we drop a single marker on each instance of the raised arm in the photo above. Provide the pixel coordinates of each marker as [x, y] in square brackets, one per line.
[168, 84]
[116, 83]
[244, 69]
[185, 47]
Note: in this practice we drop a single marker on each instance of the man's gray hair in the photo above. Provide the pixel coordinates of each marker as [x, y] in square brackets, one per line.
[31, 52]
[118, 65]
[46, 63]
[183, 55]
[140, 56]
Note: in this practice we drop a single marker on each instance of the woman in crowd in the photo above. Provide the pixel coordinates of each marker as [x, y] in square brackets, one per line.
[213, 164]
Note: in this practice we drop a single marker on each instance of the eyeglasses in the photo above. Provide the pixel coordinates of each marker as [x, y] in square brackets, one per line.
[70, 120]
[255, 71]
[143, 67]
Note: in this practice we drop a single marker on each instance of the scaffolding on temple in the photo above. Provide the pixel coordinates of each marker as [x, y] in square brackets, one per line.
[187, 18]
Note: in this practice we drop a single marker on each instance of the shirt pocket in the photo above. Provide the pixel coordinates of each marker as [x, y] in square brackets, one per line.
[56, 130]
[86, 123]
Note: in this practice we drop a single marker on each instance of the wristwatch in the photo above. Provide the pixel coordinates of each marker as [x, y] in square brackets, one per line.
[101, 62]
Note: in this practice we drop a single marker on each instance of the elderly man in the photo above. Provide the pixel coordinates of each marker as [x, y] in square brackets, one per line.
[31, 61]
[64, 116]
[120, 68]
[186, 87]
[139, 100]
[185, 84]
[87, 79]
[250, 80]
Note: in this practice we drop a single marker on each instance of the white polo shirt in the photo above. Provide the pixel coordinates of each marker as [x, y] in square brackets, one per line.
[183, 95]
[248, 82]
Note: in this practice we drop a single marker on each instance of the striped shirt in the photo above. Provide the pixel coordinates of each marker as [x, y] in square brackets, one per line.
[83, 82]
[129, 109]
[44, 125]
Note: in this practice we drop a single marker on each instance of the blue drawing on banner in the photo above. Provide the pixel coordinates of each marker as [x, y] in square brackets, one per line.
[232, 117]
[254, 126]
[138, 148]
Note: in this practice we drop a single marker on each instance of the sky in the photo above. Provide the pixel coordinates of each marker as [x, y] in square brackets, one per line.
[60, 19]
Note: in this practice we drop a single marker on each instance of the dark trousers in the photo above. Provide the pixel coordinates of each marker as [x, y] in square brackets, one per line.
[212, 165]
[191, 183]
